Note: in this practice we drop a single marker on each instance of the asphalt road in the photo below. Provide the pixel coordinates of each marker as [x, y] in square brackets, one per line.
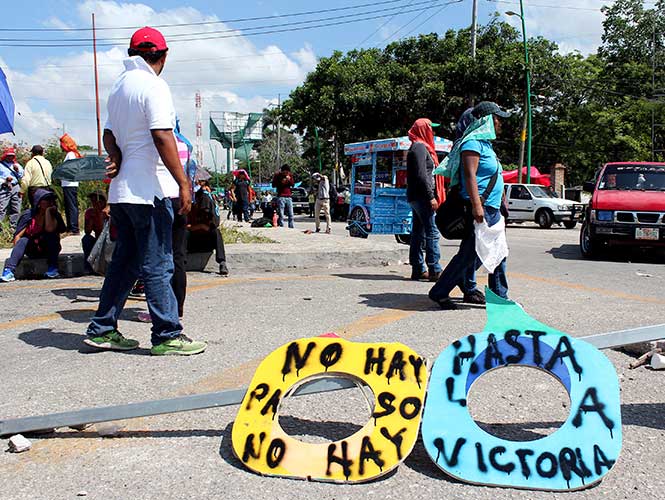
[46, 368]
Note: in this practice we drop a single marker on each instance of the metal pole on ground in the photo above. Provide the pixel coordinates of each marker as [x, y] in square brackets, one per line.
[94, 56]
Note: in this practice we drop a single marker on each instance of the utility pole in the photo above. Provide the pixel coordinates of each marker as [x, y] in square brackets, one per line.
[279, 134]
[94, 55]
[198, 145]
[474, 27]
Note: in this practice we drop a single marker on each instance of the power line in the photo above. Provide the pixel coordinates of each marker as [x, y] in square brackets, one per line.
[411, 21]
[382, 25]
[203, 23]
[175, 36]
[432, 16]
[237, 33]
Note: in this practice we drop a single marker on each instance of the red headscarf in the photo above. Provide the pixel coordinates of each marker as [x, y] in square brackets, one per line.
[69, 145]
[421, 131]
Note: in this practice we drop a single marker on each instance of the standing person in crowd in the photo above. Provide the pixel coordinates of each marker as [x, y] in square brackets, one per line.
[266, 199]
[283, 182]
[421, 194]
[146, 173]
[37, 235]
[311, 200]
[37, 173]
[204, 232]
[70, 188]
[11, 174]
[94, 219]
[480, 169]
[322, 201]
[241, 191]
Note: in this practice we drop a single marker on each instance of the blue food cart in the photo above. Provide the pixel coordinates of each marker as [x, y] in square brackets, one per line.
[378, 186]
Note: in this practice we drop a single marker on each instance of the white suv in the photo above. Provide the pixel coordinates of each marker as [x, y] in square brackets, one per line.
[533, 202]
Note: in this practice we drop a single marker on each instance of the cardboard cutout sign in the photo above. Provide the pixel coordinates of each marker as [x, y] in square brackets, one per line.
[577, 455]
[398, 378]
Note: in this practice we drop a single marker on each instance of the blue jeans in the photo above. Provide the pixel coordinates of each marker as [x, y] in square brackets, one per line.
[458, 269]
[45, 245]
[143, 248]
[424, 229]
[70, 197]
[285, 202]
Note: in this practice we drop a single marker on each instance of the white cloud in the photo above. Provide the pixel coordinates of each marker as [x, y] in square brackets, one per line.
[574, 29]
[232, 73]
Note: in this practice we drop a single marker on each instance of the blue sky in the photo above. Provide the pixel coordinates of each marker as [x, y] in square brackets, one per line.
[54, 86]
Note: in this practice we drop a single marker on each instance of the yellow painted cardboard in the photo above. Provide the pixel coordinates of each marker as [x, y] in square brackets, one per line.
[398, 378]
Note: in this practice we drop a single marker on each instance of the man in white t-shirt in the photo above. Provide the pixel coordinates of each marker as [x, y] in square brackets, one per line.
[146, 172]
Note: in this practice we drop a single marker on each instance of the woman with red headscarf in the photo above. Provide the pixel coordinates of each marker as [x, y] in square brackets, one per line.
[421, 194]
[70, 188]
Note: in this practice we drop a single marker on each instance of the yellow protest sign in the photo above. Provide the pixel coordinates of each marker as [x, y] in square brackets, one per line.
[397, 376]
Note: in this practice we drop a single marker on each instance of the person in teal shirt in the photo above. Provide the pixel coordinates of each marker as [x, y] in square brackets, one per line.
[477, 165]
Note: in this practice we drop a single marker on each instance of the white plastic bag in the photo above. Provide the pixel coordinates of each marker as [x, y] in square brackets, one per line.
[100, 256]
[491, 244]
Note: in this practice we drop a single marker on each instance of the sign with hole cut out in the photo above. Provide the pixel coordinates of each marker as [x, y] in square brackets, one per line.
[577, 455]
[397, 376]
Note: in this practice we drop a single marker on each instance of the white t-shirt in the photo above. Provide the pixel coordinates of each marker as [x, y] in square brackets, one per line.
[69, 184]
[140, 101]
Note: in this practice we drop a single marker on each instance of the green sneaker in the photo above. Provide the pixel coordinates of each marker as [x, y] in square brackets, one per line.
[113, 341]
[182, 345]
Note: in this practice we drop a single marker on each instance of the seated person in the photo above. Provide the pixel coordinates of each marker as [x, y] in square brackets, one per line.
[203, 226]
[94, 217]
[37, 235]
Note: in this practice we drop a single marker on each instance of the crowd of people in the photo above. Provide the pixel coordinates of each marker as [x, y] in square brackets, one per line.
[156, 213]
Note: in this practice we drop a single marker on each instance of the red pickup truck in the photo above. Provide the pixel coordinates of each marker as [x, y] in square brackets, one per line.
[627, 207]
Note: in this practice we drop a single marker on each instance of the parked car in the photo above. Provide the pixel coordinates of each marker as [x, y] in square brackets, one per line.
[533, 202]
[300, 202]
[627, 207]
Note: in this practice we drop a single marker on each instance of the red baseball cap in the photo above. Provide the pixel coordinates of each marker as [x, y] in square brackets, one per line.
[148, 35]
[8, 152]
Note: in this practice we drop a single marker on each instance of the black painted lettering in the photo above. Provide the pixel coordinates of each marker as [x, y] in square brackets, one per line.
[450, 388]
[343, 461]
[410, 407]
[493, 353]
[583, 467]
[367, 452]
[249, 450]
[259, 392]
[441, 448]
[569, 466]
[371, 361]
[461, 357]
[600, 460]
[595, 406]
[482, 466]
[564, 350]
[522, 453]
[500, 450]
[293, 357]
[417, 364]
[547, 474]
[331, 355]
[397, 365]
[396, 439]
[535, 335]
[511, 337]
[272, 403]
[385, 400]
[276, 452]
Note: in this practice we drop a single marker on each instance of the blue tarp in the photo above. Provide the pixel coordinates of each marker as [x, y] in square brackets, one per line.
[6, 106]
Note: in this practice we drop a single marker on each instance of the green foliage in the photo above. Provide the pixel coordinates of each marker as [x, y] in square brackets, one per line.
[232, 235]
[586, 110]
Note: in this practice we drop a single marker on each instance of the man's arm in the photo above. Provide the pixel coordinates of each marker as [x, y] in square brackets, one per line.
[470, 161]
[114, 154]
[164, 141]
[27, 175]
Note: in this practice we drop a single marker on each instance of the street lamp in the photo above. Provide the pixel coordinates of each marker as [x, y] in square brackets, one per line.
[528, 92]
